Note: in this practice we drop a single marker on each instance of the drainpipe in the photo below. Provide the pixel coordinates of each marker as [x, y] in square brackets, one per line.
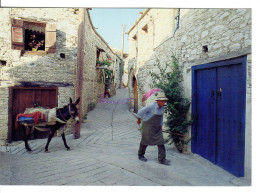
[122, 55]
[120, 73]
[80, 68]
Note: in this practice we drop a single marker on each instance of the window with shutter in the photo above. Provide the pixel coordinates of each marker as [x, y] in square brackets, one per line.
[33, 37]
[145, 28]
[99, 50]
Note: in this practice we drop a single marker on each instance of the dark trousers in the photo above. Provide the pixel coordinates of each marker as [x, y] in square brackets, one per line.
[161, 151]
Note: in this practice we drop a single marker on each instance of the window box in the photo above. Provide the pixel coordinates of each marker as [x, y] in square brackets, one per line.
[38, 53]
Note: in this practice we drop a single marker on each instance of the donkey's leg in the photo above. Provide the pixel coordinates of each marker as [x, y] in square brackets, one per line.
[27, 136]
[49, 140]
[64, 141]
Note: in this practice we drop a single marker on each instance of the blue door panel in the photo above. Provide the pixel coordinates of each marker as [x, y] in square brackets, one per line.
[206, 86]
[229, 132]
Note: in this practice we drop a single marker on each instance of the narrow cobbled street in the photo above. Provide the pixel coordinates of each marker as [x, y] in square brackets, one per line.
[106, 154]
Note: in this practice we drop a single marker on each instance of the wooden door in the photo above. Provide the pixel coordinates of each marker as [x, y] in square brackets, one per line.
[230, 133]
[218, 103]
[24, 97]
[206, 113]
[135, 97]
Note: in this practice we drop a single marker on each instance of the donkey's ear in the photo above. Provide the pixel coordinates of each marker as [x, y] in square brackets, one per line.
[70, 100]
[77, 102]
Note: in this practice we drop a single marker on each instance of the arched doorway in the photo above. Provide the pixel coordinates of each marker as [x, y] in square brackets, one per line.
[135, 86]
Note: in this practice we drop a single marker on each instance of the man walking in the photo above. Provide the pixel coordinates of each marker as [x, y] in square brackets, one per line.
[152, 116]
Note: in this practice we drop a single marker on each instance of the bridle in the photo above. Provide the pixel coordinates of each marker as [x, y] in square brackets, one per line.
[69, 114]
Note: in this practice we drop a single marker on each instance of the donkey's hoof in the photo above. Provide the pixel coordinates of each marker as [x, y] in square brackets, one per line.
[47, 151]
[68, 149]
[29, 149]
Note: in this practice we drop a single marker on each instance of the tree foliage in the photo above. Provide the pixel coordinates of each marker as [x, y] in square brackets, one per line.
[177, 106]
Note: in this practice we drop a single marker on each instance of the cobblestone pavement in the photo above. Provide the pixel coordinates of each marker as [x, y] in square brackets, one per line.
[106, 154]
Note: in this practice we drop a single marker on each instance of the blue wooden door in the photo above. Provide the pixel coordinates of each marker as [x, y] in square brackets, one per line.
[230, 136]
[218, 104]
[206, 113]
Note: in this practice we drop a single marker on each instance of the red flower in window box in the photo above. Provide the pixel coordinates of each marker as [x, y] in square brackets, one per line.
[107, 62]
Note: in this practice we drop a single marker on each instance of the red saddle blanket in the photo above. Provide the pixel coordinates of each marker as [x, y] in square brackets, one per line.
[36, 117]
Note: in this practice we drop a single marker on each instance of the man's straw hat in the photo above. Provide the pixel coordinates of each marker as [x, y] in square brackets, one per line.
[161, 97]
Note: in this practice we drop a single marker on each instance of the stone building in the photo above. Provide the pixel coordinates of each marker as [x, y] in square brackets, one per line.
[49, 74]
[214, 48]
[152, 28]
[124, 67]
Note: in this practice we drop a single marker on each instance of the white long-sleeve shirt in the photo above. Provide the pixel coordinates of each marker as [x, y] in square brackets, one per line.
[150, 110]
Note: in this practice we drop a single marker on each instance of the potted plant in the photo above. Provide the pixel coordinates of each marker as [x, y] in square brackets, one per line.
[98, 63]
[34, 44]
[107, 62]
[108, 76]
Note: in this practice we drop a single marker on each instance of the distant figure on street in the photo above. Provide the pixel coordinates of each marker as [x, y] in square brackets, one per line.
[152, 116]
[107, 93]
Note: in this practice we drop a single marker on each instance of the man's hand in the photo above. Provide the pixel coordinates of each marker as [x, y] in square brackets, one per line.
[138, 121]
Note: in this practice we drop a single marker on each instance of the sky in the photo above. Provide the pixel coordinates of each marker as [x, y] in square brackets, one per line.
[109, 23]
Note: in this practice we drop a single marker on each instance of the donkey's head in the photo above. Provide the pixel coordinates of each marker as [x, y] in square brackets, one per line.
[73, 110]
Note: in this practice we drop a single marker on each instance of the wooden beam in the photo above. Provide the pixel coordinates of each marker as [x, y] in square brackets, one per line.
[80, 69]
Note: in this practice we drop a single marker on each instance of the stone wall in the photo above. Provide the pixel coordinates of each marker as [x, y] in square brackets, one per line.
[93, 86]
[51, 69]
[150, 30]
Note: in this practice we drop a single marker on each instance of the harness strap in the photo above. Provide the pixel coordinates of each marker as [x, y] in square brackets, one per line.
[63, 117]
[57, 119]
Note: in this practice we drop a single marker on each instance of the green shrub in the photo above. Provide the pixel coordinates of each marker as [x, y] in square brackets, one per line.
[177, 106]
[92, 106]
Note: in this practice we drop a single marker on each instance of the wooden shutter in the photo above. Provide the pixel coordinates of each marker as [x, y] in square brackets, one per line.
[17, 34]
[50, 38]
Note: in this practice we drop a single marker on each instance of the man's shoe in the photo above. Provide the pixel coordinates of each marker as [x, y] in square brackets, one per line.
[165, 162]
[142, 158]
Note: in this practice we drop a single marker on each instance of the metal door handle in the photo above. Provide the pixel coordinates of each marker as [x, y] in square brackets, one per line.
[212, 93]
[219, 92]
